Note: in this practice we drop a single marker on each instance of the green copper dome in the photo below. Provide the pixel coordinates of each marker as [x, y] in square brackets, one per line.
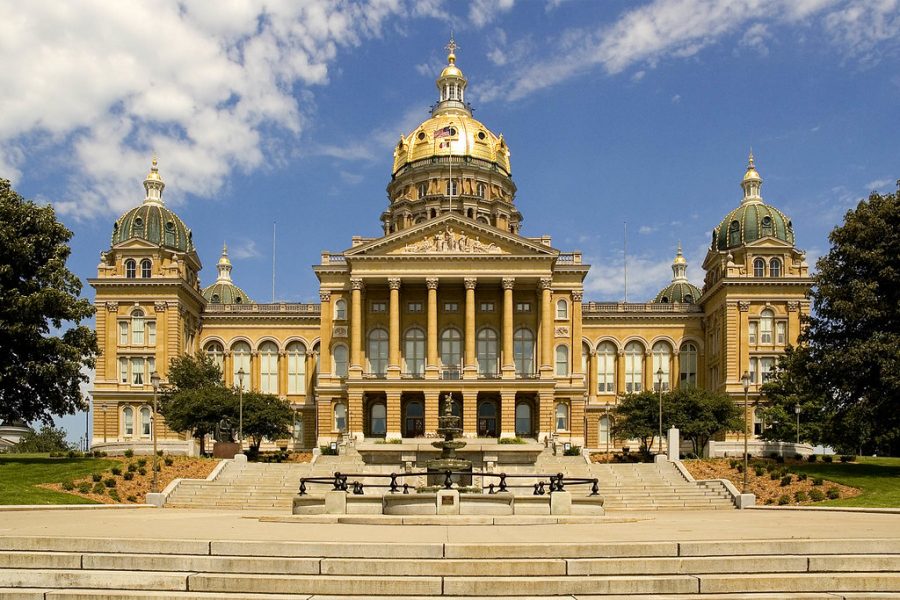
[680, 290]
[224, 291]
[752, 220]
[152, 221]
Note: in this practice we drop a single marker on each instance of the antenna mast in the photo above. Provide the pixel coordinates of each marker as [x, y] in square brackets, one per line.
[273, 262]
[625, 259]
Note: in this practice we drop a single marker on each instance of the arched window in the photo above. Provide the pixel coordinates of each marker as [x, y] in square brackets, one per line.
[606, 368]
[414, 352]
[523, 351]
[128, 421]
[486, 351]
[603, 432]
[145, 420]
[216, 352]
[562, 417]
[585, 358]
[378, 351]
[339, 357]
[130, 268]
[662, 357]
[340, 310]
[634, 367]
[452, 187]
[523, 419]
[687, 362]
[759, 268]
[562, 360]
[774, 268]
[562, 309]
[766, 325]
[423, 190]
[296, 364]
[734, 233]
[378, 419]
[137, 328]
[145, 268]
[240, 353]
[451, 347]
[340, 417]
[480, 190]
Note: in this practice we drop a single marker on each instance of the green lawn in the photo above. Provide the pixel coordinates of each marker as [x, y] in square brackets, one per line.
[19, 473]
[878, 478]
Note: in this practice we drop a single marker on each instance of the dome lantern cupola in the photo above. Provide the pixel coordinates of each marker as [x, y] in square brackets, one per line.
[451, 85]
[751, 183]
[680, 290]
[154, 184]
[224, 266]
[224, 291]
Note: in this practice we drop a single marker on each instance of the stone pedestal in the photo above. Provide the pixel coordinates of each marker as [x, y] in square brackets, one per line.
[336, 503]
[560, 503]
[745, 500]
[447, 502]
[225, 449]
[674, 444]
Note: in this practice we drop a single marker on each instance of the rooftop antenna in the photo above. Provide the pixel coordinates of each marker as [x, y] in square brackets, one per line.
[273, 262]
[625, 259]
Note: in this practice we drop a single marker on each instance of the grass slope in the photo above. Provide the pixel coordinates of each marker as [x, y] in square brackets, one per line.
[19, 474]
[878, 478]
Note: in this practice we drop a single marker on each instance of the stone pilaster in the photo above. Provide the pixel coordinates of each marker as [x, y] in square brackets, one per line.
[432, 369]
[356, 286]
[394, 328]
[471, 364]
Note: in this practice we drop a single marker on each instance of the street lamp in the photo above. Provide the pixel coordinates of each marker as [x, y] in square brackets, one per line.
[745, 379]
[240, 375]
[154, 380]
[659, 379]
[797, 412]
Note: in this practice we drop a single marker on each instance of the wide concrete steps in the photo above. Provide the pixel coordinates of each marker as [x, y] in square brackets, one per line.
[102, 568]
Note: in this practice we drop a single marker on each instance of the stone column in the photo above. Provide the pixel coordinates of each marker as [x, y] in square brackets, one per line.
[576, 336]
[325, 330]
[393, 370]
[508, 414]
[393, 414]
[546, 325]
[508, 362]
[743, 341]
[675, 379]
[354, 415]
[793, 323]
[545, 414]
[432, 369]
[471, 363]
[356, 285]
[649, 372]
[620, 372]
[432, 408]
[591, 377]
[470, 413]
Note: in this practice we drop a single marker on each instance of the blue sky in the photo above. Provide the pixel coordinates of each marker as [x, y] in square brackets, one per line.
[614, 111]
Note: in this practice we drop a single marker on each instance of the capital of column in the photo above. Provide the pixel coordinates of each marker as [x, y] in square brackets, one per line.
[509, 283]
[793, 306]
[576, 296]
[546, 282]
[744, 305]
[356, 283]
[394, 283]
[431, 283]
[470, 282]
[324, 296]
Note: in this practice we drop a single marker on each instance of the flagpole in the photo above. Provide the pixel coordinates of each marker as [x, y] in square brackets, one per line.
[450, 146]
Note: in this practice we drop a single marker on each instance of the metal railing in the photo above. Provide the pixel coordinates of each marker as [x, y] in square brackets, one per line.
[547, 483]
[643, 307]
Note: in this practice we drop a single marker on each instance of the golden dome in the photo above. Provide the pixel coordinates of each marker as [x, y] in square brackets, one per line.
[154, 172]
[751, 174]
[451, 70]
[679, 258]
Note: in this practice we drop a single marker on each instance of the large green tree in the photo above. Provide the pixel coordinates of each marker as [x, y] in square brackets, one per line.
[852, 355]
[48, 439]
[266, 416]
[790, 387]
[44, 351]
[637, 417]
[700, 414]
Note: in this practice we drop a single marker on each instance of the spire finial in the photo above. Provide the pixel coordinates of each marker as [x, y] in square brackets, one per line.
[750, 159]
[451, 49]
[224, 249]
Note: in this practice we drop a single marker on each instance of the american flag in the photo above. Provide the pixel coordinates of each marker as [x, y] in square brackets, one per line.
[439, 133]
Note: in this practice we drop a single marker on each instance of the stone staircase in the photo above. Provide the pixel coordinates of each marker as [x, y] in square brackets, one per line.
[624, 487]
[47, 568]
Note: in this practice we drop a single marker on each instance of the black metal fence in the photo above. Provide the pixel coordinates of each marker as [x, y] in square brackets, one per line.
[344, 482]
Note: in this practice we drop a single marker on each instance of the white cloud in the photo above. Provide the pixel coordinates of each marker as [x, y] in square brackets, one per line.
[756, 38]
[646, 229]
[638, 75]
[676, 98]
[482, 12]
[195, 82]
[351, 178]
[646, 276]
[243, 249]
[883, 185]
[381, 138]
[862, 26]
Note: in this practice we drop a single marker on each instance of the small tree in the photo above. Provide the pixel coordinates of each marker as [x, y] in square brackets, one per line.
[48, 439]
[637, 416]
[266, 416]
[789, 387]
[700, 414]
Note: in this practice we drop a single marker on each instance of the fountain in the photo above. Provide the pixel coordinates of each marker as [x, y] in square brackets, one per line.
[449, 428]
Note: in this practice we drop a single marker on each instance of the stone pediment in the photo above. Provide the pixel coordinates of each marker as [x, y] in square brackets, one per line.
[451, 235]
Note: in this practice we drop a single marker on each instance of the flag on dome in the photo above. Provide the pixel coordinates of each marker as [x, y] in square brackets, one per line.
[443, 132]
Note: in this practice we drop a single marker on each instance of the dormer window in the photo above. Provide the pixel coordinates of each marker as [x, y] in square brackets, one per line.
[734, 233]
[130, 268]
[452, 188]
[480, 190]
[688, 298]
[759, 268]
[774, 268]
[423, 190]
[215, 299]
[145, 268]
[767, 226]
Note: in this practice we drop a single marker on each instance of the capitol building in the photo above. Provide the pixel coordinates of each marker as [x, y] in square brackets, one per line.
[451, 301]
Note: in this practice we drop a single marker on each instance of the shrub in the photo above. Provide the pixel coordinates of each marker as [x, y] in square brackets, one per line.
[84, 487]
[114, 495]
[800, 496]
[132, 467]
[132, 498]
[774, 455]
[68, 485]
[71, 454]
[770, 500]
[573, 451]
[827, 458]
[157, 467]
[110, 482]
[507, 440]
[142, 471]
[798, 457]
[159, 452]
[770, 466]
[739, 468]
[733, 463]
[818, 481]
[327, 450]
[142, 462]
[812, 458]
[845, 458]
[802, 477]
[783, 499]
[116, 470]
[816, 495]
[774, 475]
[128, 476]
[95, 477]
[833, 493]
[129, 453]
[786, 480]
[98, 489]
[169, 460]
[779, 459]
[759, 470]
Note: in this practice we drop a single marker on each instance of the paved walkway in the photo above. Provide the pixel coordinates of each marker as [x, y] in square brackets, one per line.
[661, 526]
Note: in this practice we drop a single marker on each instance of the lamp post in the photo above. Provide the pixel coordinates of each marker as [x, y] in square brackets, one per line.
[240, 375]
[659, 378]
[154, 486]
[745, 379]
[608, 431]
[87, 425]
[797, 412]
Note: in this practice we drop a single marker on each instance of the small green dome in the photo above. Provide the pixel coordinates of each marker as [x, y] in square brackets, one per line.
[226, 293]
[152, 221]
[678, 291]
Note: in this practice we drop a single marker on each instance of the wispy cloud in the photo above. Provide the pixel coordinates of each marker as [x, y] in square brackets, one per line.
[482, 12]
[378, 141]
[243, 249]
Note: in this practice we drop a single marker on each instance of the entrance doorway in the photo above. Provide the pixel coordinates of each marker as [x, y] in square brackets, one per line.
[523, 420]
[487, 418]
[414, 419]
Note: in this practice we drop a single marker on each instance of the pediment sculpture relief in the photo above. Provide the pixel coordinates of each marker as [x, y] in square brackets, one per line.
[449, 241]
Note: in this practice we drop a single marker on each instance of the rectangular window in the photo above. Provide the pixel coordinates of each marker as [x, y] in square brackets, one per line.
[151, 365]
[414, 307]
[137, 371]
[780, 328]
[379, 307]
[451, 307]
[754, 369]
[523, 307]
[751, 329]
[151, 333]
[486, 307]
[123, 370]
[123, 333]
[767, 368]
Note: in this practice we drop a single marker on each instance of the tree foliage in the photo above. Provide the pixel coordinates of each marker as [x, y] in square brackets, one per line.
[700, 414]
[637, 417]
[266, 416]
[48, 439]
[40, 370]
[789, 387]
[195, 400]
